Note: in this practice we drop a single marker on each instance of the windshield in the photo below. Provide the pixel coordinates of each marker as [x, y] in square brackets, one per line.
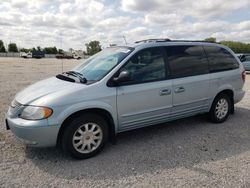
[97, 66]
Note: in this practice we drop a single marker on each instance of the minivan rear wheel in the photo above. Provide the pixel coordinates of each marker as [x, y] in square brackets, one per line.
[85, 136]
[220, 109]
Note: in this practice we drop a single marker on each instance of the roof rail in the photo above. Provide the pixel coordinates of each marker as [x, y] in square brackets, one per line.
[192, 41]
[168, 40]
[153, 40]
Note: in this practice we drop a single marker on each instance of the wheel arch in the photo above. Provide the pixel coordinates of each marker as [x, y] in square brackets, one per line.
[228, 92]
[99, 111]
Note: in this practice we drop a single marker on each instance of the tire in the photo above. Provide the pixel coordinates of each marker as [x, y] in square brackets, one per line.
[87, 142]
[220, 109]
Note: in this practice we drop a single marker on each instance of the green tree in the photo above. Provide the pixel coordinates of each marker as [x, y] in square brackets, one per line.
[12, 47]
[237, 47]
[54, 50]
[210, 39]
[93, 47]
[60, 51]
[26, 50]
[50, 50]
[2, 48]
[39, 48]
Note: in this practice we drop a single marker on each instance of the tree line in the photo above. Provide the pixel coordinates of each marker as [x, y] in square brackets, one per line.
[237, 47]
[46, 50]
[92, 48]
[12, 47]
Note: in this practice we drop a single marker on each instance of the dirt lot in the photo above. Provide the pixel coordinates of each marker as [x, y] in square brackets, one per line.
[185, 153]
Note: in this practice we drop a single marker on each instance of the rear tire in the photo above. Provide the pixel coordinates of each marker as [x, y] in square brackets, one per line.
[220, 109]
[85, 136]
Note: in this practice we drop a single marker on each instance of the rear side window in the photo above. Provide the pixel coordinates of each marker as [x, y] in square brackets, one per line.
[187, 61]
[220, 59]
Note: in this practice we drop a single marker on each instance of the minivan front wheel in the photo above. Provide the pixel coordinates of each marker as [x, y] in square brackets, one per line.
[85, 136]
[220, 109]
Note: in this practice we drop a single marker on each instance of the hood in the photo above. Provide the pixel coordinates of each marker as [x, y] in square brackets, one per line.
[51, 87]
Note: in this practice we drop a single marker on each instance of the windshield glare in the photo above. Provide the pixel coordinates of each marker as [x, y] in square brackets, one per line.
[97, 66]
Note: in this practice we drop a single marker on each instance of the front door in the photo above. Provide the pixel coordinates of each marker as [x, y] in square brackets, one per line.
[147, 98]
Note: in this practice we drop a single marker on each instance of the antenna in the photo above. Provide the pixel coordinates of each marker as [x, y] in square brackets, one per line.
[124, 38]
[61, 49]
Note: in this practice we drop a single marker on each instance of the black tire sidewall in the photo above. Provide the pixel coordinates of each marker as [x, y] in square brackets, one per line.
[212, 112]
[74, 125]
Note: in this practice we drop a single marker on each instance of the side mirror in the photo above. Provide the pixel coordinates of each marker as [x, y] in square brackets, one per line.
[124, 76]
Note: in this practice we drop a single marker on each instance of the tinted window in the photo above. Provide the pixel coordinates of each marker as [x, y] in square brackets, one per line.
[187, 61]
[146, 65]
[220, 59]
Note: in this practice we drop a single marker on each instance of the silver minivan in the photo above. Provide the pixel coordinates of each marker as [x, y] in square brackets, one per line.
[245, 60]
[127, 87]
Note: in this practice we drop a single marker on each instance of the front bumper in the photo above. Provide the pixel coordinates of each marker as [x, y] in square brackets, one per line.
[35, 133]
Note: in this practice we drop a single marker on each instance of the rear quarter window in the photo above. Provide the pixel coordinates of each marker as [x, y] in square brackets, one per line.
[220, 59]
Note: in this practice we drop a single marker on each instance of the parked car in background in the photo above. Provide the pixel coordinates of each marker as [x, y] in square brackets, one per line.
[245, 60]
[77, 56]
[69, 55]
[38, 54]
[64, 56]
[26, 55]
[124, 88]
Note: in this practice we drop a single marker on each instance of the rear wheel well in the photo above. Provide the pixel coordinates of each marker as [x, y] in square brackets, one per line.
[230, 94]
[105, 114]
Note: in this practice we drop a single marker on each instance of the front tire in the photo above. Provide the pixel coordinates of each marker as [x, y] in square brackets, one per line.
[220, 109]
[85, 136]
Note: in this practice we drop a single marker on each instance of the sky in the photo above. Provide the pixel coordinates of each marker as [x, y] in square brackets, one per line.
[73, 23]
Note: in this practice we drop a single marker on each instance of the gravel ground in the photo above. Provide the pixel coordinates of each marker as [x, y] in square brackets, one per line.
[186, 153]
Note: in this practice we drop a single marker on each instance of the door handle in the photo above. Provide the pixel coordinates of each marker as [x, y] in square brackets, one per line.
[165, 92]
[179, 89]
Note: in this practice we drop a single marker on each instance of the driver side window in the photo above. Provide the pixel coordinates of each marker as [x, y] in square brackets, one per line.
[146, 65]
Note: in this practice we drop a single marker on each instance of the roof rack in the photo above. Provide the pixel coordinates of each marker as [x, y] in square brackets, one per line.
[153, 40]
[168, 40]
[192, 41]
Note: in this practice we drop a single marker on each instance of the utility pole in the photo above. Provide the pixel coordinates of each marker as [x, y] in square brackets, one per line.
[61, 48]
[124, 38]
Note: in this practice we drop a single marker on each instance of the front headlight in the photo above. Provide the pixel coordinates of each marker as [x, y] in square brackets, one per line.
[36, 112]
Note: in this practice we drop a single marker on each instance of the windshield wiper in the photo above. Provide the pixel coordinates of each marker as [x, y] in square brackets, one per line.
[63, 77]
[80, 76]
